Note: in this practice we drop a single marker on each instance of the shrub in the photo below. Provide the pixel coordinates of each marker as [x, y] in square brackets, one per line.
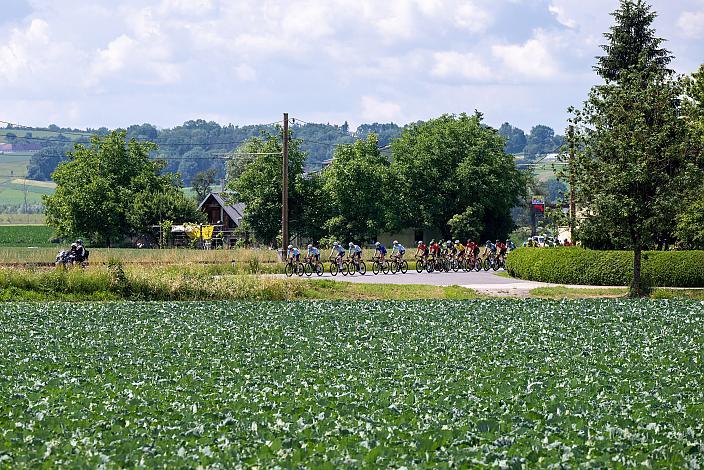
[574, 265]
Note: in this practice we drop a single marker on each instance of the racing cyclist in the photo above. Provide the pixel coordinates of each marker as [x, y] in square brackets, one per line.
[398, 250]
[339, 252]
[313, 253]
[293, 253]
[381, 251]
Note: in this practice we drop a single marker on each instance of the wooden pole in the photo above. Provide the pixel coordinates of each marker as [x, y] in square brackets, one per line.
[284, 192]
[573, 211]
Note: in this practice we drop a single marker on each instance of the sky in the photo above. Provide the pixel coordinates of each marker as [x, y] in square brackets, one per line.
[113, 63]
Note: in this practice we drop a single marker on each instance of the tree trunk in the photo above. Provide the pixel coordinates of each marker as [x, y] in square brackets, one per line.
[637, 289]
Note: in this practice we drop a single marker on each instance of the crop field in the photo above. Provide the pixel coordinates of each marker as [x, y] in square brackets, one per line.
[26, 235]
[345, 384]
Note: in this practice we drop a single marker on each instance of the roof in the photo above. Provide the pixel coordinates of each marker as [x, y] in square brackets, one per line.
[234, 211]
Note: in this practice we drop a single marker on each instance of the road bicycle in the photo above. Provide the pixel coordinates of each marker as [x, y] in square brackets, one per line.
[353, 266]
[313, 266]
[423, 262]
[338, 266]
[490, 262]
[399, 264]
[294, 267]
[379, 266]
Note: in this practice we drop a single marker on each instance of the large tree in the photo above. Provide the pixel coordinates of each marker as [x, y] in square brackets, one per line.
[515, 138]
[634, 163]
[359, 190]
[111, 189]
[453, 175]
[259, 185]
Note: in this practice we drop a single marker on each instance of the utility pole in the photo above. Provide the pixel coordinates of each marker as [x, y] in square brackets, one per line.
[284, 192]
[573, 212]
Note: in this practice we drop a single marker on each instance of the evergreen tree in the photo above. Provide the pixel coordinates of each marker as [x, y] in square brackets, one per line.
[632, 44]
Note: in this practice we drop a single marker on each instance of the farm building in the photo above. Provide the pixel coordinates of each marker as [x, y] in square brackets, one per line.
[226, 217]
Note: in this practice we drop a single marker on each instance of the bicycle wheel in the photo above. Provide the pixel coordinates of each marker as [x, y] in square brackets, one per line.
[289, 270]
[394, 267]
[487, 264]
[300, 269]
[351, 269]
[429, 266]
[386, 267]
[419, 266]
[455, 265]
[495, 265]
[362, 268]
[334, 268]
[375, 267]
[478, 264]
[308, 269]
[319, 269]
[404, 266]
[345, 268]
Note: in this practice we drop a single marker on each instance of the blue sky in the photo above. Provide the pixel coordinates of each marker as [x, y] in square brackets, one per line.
[114, 63]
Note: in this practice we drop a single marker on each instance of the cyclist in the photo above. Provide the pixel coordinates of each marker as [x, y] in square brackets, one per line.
[501, 246]
[434, 249]
[510, 245]
[490, 246]
[338, 251]
[381, 250]
[313, 253]
[355, 253]
[422, 250]
[459, 250]
[398, 249]
[293, 253]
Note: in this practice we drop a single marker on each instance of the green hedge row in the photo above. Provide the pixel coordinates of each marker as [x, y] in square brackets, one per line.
[574, 265]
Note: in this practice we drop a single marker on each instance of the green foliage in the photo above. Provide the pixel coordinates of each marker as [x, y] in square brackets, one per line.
[597, 383]
[259, 187]
[452, 164]
[632, 44]
[541, 141]
[515, 138]
[359, 190]
[574, 265]
[26, 235]
[111, 189]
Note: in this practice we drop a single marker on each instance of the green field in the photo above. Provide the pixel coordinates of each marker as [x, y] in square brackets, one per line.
[603, 383]
[13, 167]
[26, 236]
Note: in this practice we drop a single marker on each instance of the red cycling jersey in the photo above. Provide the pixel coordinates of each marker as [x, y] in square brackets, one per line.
[422, 247]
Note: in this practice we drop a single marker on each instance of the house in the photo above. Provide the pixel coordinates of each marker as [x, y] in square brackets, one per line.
[226, 217]
[221, 212]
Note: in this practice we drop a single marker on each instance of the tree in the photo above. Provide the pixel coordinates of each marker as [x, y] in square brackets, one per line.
[634, 164]
[43, 163]
[455, 166]
[358, 186]
[259, 187]
[202, 182]
[632, 44]
[111, 189]
[515, 138]
[541, 141]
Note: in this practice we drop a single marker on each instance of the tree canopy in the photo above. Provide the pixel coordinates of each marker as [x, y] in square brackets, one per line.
[454, 176]
[110, 189]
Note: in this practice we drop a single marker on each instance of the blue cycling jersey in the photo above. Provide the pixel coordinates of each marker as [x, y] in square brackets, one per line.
[313, 251]
[355, 249]
[400, 248]
[294, 251]
[339, 249]
[381, 249]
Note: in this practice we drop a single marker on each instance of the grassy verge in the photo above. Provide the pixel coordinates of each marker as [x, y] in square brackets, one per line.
[114, 282]
[561, 292]
[332, 290]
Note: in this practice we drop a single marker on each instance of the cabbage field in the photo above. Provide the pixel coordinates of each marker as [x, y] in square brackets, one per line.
[342, 384]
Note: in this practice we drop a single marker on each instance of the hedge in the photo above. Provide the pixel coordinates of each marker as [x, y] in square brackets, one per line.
[574, 265]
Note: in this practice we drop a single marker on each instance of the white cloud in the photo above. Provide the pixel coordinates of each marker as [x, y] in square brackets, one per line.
[245, 73]
[692, 24]
[376, 110]
[452, 64]
[471, 17]
[533, 58]
[561, 15]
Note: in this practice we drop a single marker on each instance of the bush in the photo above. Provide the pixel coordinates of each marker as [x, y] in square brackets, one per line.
[574, 265]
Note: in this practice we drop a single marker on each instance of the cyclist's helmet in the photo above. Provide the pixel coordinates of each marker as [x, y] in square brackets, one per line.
[377, 244]
[420, 243]
[395, 242]
[432, 241]
[351, 244]
[335, 244]
[457, 242]
[79, 241]
[310, 246]
[290, 246]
